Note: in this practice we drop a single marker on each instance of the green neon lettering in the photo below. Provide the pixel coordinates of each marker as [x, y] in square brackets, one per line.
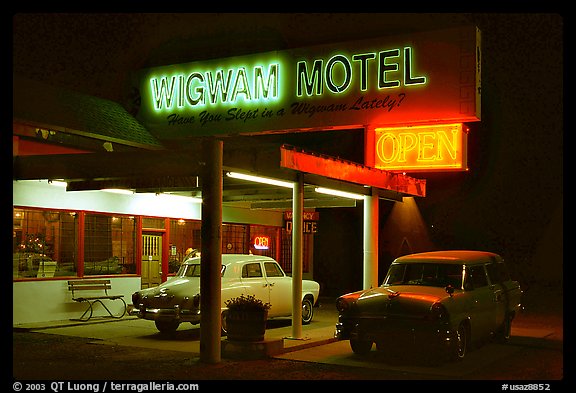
[197, 90]
[329, 73]
[408, 79]
[263, 89]
[302, 77]
[162, 95]
[363, 59]
[218, 85]
[244, 88]
[384, 68]
[180, 91]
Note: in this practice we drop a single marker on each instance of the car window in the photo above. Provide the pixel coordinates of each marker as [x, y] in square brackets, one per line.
[429, 274]
[251, 270]
[477, 276]
[273, 270]
[497, 272]
[395, 275]
[193, 270]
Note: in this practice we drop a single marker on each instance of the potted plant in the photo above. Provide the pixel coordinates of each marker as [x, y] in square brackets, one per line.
[246, 318]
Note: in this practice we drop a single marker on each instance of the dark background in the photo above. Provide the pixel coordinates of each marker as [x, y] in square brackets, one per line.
[509, 202]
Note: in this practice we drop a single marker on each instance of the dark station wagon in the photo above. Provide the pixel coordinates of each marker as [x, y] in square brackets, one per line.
[436, 302]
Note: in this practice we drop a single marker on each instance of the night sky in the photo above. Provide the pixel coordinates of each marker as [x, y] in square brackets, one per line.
[511, 200]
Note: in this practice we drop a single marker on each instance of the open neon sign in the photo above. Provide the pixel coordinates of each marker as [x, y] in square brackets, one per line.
[421, 148]
[261, 242]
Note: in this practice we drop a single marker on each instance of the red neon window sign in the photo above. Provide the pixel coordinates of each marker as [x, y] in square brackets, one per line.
[261, 242]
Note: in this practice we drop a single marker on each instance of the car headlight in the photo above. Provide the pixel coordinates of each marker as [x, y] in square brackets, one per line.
[136, 298]
[342, 304]
[438, 312]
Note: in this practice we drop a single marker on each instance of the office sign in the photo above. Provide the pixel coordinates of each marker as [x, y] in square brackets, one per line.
[416, 78]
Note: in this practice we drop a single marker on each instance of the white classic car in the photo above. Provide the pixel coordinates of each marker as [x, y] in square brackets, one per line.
[435, 303]
[178, 299]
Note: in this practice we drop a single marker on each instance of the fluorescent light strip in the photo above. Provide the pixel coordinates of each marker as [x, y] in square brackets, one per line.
[343, 194]
[118, 191]
[259, 179]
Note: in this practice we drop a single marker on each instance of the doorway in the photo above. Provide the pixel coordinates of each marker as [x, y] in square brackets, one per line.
[151, 260]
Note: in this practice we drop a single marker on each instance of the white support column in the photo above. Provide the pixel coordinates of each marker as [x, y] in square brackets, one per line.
[297, 254]
[370, 276]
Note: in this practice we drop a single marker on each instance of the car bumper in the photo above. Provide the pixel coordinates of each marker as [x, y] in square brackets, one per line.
[183, 315]
[396, 332]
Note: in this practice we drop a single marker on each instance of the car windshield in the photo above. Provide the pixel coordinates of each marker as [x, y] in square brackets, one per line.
[429, 274]
[193, 270]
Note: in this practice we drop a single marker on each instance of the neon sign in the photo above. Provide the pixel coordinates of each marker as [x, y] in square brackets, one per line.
[421, 148]
[389, 81]
[312, 82]
[261, 242]
[214, 86]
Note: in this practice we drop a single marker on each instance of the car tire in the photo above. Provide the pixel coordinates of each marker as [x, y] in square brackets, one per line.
[307, 311]
[224, 323]
[167, 325]
[460, 347]
[360, 347]
[504, 332]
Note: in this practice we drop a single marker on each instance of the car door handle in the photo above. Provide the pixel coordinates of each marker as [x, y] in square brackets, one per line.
[271, 284]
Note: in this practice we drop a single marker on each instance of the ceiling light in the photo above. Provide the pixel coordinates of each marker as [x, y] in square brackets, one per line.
[339, 193]
[118, 191]
[259, 179]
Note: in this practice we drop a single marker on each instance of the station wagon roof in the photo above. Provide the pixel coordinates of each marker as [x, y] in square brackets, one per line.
[450, 256]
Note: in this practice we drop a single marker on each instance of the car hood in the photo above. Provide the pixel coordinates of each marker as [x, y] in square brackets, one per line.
[409, 300]
[171, 292]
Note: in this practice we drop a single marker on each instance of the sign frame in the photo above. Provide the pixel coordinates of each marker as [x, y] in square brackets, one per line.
[396, 80]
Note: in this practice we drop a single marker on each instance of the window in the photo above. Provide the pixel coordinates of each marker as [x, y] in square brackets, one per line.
[429, 274]
[152, 223]
[476, 275]
[184, 240]
[286, 251]
[273, 270]
[497, 272]
[109, 244]
[251, 270]
[266, 231]
[234, 239]
[44, 243]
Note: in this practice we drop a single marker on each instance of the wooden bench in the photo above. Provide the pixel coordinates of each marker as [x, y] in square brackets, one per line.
[94, 286]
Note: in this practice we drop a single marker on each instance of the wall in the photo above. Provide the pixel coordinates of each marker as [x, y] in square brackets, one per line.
[37, 193]
[50, 300]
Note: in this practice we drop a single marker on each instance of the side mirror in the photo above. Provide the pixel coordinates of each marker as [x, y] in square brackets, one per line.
[449, 289]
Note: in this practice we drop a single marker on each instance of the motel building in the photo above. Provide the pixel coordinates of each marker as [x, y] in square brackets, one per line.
[99, 192]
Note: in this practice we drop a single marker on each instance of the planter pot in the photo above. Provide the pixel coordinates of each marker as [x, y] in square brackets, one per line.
[246, 325]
